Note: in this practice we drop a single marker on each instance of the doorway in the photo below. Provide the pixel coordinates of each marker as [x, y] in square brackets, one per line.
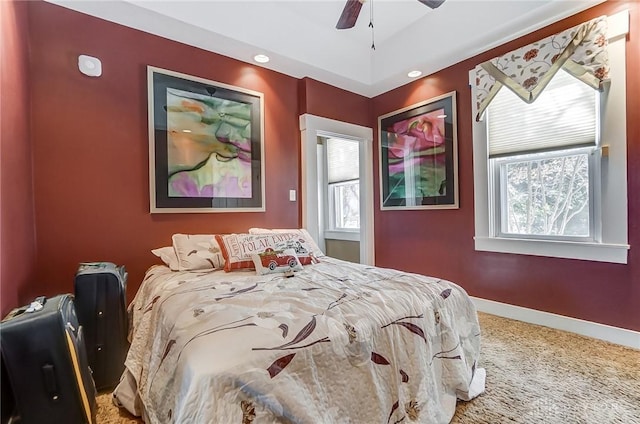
[322, 193]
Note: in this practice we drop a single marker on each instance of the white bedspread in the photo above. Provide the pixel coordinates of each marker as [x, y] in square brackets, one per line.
[336, 343]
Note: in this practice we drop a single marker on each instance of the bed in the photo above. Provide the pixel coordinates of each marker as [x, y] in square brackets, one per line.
[334, 342]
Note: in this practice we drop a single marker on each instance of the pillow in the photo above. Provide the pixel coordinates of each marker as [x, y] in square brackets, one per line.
[303, 233]
[168, 256]
[273, 261]
[197, 252]
[238, 248]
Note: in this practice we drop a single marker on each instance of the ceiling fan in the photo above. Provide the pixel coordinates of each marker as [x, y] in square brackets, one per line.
[352, 8]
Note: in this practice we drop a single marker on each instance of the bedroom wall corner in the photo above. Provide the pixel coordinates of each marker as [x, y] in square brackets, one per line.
[327, 101]
[335, 111]
[17, 224]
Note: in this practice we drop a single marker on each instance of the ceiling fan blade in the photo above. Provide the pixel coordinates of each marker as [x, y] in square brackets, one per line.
[432, 3]
[349, 14]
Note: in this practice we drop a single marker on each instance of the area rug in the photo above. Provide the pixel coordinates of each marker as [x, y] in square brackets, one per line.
[535, 375]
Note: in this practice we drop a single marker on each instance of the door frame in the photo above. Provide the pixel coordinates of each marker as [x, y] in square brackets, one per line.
[311, 127]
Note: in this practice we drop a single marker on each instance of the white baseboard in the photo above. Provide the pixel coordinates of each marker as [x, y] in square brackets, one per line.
[604, 332]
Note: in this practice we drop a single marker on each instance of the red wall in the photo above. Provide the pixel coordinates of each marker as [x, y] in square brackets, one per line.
[440, 242]
[91, 148]
[18, 249]
[320, 99]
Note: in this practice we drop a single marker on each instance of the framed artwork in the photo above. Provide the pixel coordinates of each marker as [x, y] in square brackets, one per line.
[419, 156]
[206, 150]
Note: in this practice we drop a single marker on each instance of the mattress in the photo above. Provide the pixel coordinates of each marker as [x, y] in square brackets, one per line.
[335, 343]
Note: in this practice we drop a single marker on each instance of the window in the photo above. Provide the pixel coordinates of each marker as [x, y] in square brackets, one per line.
[545, 196]
[552, 181]
[346, 205]
[539, 191]
[343, 172]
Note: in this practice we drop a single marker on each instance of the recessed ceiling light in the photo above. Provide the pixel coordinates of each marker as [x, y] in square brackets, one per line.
[261, 58]
[414, 74]
[187, 131]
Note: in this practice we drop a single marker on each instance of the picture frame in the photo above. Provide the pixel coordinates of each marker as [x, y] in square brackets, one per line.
[206, 149]
[418, 156]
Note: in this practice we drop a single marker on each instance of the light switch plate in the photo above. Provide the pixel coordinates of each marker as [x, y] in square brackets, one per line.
[292, 195]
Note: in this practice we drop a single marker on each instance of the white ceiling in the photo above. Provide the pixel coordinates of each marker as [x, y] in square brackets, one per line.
[301, 39]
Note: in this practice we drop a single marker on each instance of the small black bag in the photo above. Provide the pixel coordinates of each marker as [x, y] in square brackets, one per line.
[100, 289]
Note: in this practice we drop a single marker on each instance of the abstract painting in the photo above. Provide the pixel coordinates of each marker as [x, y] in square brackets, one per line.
[418, 156]
[205, 145]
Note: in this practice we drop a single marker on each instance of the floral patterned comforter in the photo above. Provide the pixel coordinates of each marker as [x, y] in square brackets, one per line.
[336, 343]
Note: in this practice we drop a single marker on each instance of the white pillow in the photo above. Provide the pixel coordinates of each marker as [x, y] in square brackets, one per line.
[301, 231]
[197, 252]
[273, 261]
[168, 256]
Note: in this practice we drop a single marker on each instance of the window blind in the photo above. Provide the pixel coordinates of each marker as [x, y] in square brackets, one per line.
[343, 160]
[563, 116]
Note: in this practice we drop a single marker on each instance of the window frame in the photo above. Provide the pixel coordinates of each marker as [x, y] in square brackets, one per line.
[326, 217]
[612, 235]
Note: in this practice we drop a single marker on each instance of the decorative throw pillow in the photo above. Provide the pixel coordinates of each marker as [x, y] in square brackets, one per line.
[273, 261]
[197, 252]
[168, 256]
[238, 248]
[303, 233]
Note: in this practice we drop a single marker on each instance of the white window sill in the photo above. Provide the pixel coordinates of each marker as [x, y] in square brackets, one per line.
[342, 235]
[599, 252]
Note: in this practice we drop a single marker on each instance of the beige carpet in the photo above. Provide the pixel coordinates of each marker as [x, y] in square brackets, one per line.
[534, 375]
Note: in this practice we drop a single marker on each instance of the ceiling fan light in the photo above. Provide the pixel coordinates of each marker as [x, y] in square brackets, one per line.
[261, 58]
[414, 74]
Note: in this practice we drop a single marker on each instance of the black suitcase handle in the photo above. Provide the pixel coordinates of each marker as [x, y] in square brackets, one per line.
[50, 384]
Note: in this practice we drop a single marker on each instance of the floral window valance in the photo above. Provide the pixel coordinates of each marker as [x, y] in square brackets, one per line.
[581, 51]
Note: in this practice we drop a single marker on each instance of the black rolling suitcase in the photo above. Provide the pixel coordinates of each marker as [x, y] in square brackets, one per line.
[100, 289]
[44, 357]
